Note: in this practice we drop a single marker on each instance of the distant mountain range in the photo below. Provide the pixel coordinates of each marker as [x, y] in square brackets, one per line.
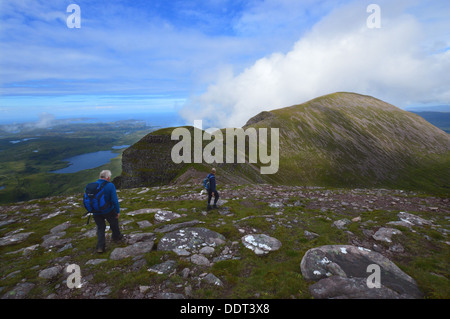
[439, 119]
[337, 140]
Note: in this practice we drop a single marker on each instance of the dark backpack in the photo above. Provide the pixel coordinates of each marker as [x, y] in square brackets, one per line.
[94, 198]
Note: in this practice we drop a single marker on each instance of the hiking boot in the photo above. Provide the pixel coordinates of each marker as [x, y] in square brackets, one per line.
[121, 239]
[208, 207]
[214, 206]
[100, 250]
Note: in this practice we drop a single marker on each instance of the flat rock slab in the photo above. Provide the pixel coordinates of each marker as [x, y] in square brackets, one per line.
[136, 249]
[60, 228]
[163, 216]
[350, 262]
[261, 243]
[143, 211]
[413, 219]
[136, 237]
[190, 239]
[172, 227]
[14, 239]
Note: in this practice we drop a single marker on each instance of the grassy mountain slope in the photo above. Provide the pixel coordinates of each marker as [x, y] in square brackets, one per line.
[337, 140]
[347, 139]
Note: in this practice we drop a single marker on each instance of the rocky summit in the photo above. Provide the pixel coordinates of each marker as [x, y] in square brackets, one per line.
[263, 241]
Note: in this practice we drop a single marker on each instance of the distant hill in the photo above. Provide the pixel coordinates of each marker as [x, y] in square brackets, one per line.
[337, 140]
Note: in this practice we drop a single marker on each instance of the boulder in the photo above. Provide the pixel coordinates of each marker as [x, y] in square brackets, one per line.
[261, 243]
[351, 262]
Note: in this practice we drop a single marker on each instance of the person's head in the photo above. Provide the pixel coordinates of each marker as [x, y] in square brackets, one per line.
[213, 171]
[106, 175]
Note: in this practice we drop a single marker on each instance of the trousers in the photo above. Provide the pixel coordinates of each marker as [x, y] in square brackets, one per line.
[100, 220]
[216, 197]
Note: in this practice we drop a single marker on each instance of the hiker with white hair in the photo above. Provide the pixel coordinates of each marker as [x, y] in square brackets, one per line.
[101, 200]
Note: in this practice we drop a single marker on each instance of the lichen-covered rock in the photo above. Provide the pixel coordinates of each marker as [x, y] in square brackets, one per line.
[261, 243]
[191, 239]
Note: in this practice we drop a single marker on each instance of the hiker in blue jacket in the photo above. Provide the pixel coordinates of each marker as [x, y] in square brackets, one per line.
[111, 214]
[212, 189]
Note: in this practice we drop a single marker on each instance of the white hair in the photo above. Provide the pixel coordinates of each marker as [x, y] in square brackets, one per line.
[105, 174]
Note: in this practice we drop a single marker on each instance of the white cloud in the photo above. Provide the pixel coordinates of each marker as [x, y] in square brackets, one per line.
[339, 54]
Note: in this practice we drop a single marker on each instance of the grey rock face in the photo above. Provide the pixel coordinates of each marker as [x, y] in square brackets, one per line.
[351, 262]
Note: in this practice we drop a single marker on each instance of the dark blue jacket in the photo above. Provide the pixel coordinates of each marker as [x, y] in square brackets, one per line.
[212, 182]
[110, 196]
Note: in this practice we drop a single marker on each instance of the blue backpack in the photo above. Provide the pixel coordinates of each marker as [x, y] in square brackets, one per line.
[206, 183]
[94, 198]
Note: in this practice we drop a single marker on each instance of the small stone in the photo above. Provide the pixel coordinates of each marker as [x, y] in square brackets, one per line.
[340, 224]
[213, 280]
[385, 234]
[206, 250]
[200, 260]
[50, 273]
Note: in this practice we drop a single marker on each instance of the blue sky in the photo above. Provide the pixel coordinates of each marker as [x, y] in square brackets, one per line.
[221, 60]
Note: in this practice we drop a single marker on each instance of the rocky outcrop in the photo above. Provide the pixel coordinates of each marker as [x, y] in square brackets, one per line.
[149, 162]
